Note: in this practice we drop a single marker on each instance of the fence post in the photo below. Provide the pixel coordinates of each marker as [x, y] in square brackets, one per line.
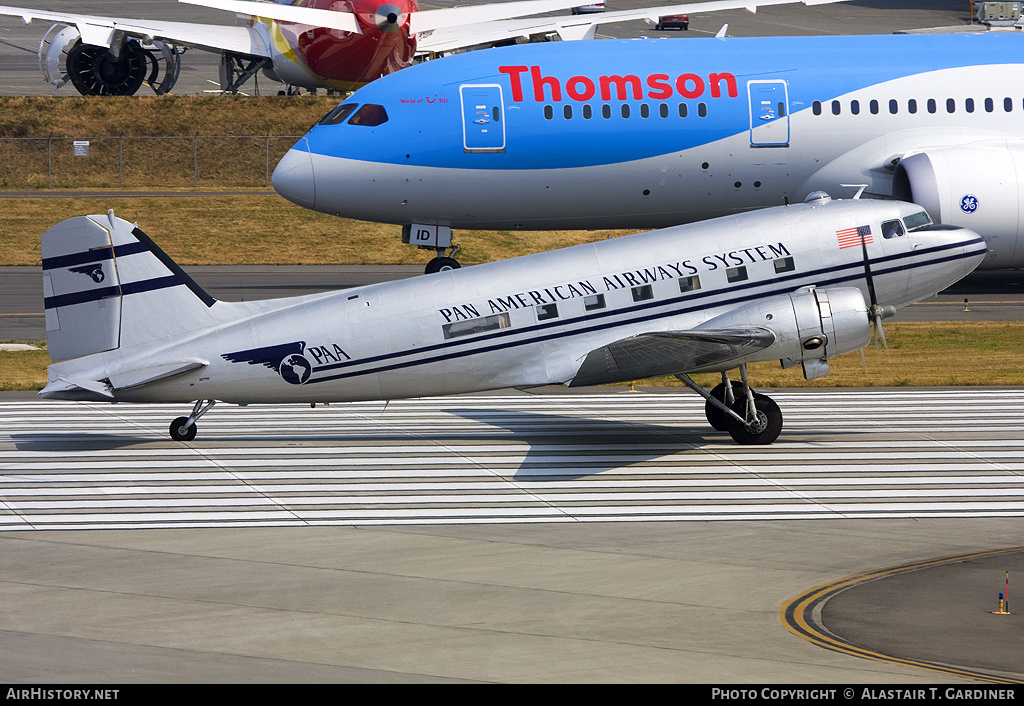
[268, 157]
[120, 162]
[49, 163]
[195, 161]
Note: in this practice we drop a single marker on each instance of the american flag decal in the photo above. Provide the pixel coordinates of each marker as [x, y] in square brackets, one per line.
[850, 237]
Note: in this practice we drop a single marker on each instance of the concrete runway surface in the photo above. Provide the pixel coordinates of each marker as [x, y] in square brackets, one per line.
[559, 537]
[511, 538]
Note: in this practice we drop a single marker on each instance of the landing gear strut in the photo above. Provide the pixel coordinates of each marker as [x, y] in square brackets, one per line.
[749, 417]
[184, 428]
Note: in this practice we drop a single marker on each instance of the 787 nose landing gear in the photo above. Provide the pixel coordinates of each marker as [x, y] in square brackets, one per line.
[433, 237]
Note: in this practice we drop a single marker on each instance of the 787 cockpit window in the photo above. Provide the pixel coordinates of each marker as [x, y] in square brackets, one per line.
[339, 114]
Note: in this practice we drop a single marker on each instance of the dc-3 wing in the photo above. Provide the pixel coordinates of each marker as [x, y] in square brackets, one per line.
[452, 38]
[669, 352]
[100, 31]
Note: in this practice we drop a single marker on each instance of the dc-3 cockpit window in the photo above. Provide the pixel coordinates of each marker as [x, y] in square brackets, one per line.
[369, 115]
[339, 114]
[892, 229]
[916, 221]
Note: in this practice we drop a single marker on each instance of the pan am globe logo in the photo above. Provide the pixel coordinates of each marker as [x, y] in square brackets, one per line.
[294, 361]
[286, 359]
[969, 203]
[295, 369]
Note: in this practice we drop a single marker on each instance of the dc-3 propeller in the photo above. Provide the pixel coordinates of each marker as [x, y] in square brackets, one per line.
[876, 312]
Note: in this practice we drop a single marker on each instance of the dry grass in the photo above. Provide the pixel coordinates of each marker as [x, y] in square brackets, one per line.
[153, 116]
[920, 355]
[23, 370]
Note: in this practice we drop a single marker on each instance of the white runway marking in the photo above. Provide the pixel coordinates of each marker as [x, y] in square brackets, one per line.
[511, 458]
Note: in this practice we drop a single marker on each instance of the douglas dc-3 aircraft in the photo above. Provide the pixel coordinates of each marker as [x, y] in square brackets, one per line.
[335, 44]
[125, 324]
[646, 133]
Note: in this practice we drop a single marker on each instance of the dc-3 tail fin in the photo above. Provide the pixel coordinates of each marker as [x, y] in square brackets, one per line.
[106, 285]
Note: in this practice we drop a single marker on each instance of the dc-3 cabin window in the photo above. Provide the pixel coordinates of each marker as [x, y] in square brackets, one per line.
[547, 311]
[339, 114]
[642, 293]
[369, 115]
[594, 302]
[736, 274]
[689, 284]
[471, 326]
[784, 264]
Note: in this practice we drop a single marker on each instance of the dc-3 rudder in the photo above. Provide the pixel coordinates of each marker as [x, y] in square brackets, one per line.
[798, 283]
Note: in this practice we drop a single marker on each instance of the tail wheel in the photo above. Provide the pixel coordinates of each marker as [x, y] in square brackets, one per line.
[763, 429]
[95, 72]
[179, 432]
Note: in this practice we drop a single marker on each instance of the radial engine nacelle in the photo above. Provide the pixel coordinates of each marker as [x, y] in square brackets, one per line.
[810, 325]
[979, 186]
[117, 70]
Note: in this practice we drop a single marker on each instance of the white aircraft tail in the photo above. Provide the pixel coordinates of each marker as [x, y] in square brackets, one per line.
[106, 285]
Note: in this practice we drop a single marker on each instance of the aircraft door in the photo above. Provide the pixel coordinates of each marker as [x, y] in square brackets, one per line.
[769, 113]
[483, 123]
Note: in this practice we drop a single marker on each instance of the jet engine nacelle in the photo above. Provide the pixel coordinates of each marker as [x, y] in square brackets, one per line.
[117, 70]
[980, 187]
[810, 326]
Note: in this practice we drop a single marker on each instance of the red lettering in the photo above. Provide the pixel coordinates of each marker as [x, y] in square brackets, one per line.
[540, 81]
[582, 88]
[580, 95]
[513, 75]
[716, 84]
[659, 82]
[620, 84]
[698, 85]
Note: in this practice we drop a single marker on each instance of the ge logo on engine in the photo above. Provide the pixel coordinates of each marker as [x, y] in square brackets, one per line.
[969, 203]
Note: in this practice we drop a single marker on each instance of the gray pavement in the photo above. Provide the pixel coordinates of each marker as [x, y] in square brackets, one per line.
[606, 603]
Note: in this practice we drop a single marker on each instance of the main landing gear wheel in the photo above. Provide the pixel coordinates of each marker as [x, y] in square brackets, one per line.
[717, 418]
[181, 432]
[765, 427]
[442, 264]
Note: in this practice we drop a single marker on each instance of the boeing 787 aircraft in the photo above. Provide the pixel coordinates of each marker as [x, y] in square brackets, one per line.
[643, 133]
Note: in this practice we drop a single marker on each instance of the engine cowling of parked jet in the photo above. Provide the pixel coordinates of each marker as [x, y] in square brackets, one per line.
[810, 326]
[980, 187]
[118, 70]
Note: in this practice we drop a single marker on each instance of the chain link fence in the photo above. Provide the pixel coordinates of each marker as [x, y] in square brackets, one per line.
[140, 162]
